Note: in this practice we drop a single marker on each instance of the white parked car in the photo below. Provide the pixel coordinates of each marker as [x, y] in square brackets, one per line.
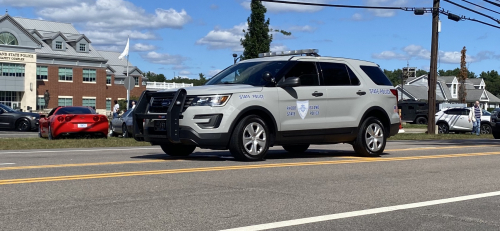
[457, 120]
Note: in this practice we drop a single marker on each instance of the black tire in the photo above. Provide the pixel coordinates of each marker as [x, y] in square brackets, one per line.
[496, 135]
[421, 120]
[111, 132]
[177, 149]
[23, 125]
[486, 129]
[371, 128]
[443, 128]
[50, 137]
[296, 149]
[257, 143]
[124, 131]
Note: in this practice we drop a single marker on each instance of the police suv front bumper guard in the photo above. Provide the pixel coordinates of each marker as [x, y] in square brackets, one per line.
[171, 117]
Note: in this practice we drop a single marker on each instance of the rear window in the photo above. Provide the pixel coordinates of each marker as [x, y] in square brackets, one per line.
[74, 110]
[377, 75]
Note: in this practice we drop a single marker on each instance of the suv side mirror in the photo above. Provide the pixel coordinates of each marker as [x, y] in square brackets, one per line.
[268, 77]
[290, 82]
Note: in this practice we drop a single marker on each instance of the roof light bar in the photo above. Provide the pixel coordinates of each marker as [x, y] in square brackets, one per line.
[307, 52]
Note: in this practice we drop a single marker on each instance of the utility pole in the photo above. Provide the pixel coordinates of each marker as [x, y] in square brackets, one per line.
[431, 125]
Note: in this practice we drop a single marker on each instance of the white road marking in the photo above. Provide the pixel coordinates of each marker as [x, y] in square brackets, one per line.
[6, 163]
[337, 216]
[82, 150]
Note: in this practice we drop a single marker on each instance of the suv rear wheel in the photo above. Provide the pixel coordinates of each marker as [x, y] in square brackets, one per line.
[485, 128]
[371, 138]
[296, 149]
[421, 120]
[177, 149]
[249, 141]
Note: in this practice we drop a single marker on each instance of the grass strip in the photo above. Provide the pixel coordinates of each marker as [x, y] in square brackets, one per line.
[39, 143]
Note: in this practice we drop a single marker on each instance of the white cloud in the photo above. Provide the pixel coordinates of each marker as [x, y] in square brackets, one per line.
[278, 47]
[213, 72]
[224, 38]
[117, 37]
[164, 58]
[419, 52]
[388, 55]
[116, 13]
[357, 17]
[305, 28]
[184, 72]
[34, 3]
[214, 7]
[143, 47]
[381, 12]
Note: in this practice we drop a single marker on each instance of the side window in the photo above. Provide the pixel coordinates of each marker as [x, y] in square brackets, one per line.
[52, 112]
[465, 112]
[335, 74]
[453, 112]
[353, 77]
[307, 73]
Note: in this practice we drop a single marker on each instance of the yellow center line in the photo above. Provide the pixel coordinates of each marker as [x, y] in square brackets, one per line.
[237, 167]
[83, 164]
[439, 148]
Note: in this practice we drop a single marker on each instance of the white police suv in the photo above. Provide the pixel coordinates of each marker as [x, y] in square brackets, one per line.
[291, 99]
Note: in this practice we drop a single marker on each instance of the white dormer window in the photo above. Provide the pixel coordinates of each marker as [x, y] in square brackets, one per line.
[83, 47]
[59, 45]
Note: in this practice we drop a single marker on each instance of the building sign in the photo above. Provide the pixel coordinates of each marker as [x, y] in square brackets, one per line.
[16, 57]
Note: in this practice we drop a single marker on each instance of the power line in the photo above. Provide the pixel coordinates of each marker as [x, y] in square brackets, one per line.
[341, 6]
[493, 3]
[481, 6]
[469, 9]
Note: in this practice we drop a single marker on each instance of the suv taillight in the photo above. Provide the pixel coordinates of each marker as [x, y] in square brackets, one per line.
[395, 93]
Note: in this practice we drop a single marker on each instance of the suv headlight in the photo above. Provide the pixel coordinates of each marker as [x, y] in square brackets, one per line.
[211, 100]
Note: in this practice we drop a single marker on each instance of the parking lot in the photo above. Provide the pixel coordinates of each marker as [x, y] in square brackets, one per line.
[414, 185]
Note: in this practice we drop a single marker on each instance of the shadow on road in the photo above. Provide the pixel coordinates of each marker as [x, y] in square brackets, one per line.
[271, 155]
[462, 142]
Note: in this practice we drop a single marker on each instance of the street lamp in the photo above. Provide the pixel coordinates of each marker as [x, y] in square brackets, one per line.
[235, 57]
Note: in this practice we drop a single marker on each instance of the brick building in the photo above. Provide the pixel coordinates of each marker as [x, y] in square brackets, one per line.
[37, 55]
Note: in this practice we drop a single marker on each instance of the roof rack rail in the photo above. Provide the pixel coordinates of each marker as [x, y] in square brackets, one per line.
[307, 52]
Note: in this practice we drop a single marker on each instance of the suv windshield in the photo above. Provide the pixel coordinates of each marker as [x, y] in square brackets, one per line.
[7, 108]
[247, 73]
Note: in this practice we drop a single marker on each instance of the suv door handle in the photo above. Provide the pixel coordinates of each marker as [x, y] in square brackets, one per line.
[317, 94]
[361, 92]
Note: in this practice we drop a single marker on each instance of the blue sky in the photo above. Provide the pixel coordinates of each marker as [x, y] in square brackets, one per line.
[199, 36]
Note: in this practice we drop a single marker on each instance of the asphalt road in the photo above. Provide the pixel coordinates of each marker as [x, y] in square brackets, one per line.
[416, 185]
[16, 134]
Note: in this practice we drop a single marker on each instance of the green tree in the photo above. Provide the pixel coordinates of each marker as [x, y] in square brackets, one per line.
[153, 77]
[258, 38]
[492, 81]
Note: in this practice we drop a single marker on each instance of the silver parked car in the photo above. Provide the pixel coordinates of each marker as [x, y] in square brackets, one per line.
[121, 125]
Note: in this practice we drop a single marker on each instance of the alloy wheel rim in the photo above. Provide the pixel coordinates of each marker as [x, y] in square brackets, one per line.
[254, 138]
[23, 125]
[485, 130]
[374, 137]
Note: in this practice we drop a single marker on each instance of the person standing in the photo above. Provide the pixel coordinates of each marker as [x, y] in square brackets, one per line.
[116, 109]
[475, 115]
[133, 104]
[46, 98]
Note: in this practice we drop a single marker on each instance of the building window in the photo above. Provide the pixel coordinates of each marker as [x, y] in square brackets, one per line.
[11, 69]
[65, 102]
[10, 98]
[83, 47]
[108, 79]
[136, 79]
[86, 102]
[89, 75]
[40, 103]
[42, 72]
[7, 38]
[108, 104]
[65, 74]
[59, 45]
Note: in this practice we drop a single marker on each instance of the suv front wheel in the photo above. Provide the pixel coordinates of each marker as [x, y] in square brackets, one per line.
[250, 139]
[371, 138]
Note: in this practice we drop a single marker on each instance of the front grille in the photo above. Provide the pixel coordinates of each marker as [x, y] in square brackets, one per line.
[161, 104]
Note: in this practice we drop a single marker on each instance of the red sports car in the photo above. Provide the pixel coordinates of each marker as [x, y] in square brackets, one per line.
[72, 121]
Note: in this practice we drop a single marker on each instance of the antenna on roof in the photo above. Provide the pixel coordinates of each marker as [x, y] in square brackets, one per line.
[6, 11]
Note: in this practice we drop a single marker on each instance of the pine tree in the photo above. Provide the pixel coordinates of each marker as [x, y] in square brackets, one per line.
[462, 76]
[257, 38]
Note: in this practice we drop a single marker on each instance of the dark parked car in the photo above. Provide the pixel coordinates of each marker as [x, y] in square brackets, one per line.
[122, 125]
[21, 121]
[495, 123]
